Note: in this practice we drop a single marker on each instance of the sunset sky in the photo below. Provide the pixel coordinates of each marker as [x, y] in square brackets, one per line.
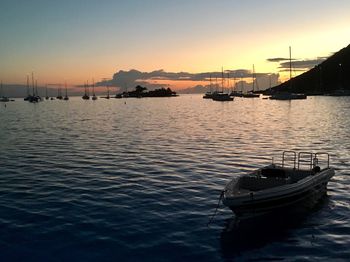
[77, 40]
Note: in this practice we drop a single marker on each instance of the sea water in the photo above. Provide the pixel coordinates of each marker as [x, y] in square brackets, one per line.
[138, 179]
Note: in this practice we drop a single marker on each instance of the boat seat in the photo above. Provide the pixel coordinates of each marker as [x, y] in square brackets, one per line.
[256, 183]
[273, 172]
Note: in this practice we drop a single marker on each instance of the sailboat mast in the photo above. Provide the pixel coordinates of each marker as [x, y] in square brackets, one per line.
[27, 85]
[228, 81]
[253, 75]
[210, 83]
[290, 68]
[290, 63]
[33, 84]
[222, 79]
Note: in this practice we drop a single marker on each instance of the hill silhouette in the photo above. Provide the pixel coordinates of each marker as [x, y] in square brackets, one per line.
[331, 75]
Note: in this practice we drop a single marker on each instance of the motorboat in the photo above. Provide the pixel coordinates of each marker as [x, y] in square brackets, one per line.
[278, 186]
[287, 96]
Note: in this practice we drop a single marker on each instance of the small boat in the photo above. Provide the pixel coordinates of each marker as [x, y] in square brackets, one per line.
[28, 97]
[287, 96]
[59, 93]
[219, 96]
[66, 95]
[2, 97]
[94, 97]
[251, 93]
[209, 94]
[86, 95]
[47, 96]
[236, 94]
[35, 98]
[340, 92]
[278, 186]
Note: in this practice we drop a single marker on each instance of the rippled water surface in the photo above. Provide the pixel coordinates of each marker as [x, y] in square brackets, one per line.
[137, 179]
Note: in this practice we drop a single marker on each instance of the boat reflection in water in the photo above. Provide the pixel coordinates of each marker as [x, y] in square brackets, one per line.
[240, 236]
[272, 200]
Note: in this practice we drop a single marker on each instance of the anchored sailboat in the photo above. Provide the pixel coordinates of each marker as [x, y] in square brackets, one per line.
[285, 95]
[35, 98]
[86, 93]
[94, 97]
[251, 94]
[2, 97]
[221, 96]
[66, 96]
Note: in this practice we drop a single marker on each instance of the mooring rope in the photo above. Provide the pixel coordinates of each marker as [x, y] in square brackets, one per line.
[216, 209]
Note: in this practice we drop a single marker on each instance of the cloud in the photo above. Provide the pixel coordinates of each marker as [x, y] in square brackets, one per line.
[297, 64]
[277, 59]
[124, 79]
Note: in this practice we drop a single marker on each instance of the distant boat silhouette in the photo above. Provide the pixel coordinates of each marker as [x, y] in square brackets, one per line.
[66, 96]
[251, 93]
[86, 93]
[35, 98]
[209, 94]
[28, 91]
[234, 91]
[107, 87]
[94, 97]
[285, 95]
[59, 93]
[2, 97]
[46, 97]
[221, 96]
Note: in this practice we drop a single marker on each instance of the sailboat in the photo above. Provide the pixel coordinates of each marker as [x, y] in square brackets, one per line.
[47, 96]
[66, 96]
[2, 97]
[285, 95]
[251, 94]
[209, 94]
[221, 96]
[107, 87]
[59, 93]
[28, 91]
[94, 97]
[35, 98]
[86, 93]
[234, 91]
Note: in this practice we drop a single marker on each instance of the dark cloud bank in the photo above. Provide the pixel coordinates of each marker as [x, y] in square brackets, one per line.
[129, 79]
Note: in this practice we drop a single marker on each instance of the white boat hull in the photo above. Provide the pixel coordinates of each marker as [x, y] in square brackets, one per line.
[262, 201]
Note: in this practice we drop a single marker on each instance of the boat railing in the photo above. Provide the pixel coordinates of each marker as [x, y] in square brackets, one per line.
[316, 158]
[305, 158]
[289, 156]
